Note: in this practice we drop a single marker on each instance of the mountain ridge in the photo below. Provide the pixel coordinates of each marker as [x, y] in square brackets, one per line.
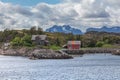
[114, 29]
[64, 29]
[69, 29]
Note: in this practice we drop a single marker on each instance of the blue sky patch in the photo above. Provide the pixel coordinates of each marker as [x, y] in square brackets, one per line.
[31, 2]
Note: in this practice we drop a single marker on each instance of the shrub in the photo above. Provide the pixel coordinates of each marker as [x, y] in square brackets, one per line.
[16, 41]
[25, 41]
[100, 44]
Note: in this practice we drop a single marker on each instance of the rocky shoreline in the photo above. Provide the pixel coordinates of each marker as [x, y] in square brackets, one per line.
[35, 53]
[114, 51]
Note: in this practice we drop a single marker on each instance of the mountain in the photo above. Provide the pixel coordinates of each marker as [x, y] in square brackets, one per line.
[115, 29]
[64, 29]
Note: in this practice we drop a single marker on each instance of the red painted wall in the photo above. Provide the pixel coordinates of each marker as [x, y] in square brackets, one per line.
[74, 46]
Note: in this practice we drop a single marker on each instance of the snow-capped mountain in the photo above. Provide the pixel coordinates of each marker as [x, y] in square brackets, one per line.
[64, 29]
[115, 29]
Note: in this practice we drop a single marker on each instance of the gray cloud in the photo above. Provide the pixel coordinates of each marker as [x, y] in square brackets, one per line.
[97, 14]
[22, 11]
[78, 13]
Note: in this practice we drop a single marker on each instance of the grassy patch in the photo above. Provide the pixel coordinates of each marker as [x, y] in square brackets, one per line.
[54, 47]
[107, 46]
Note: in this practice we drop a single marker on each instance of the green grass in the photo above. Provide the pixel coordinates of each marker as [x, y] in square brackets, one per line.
[54, 47]
[103, 46]
[107, 46]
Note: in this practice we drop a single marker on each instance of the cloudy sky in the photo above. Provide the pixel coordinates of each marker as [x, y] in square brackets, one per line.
[82, 14]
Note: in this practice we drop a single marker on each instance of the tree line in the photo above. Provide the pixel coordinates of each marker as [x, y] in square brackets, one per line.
[89, 39]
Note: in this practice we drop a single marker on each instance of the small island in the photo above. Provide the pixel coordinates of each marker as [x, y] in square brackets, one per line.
[38, 44]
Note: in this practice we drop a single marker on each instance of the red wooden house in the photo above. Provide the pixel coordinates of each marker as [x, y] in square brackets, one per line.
[74, 45]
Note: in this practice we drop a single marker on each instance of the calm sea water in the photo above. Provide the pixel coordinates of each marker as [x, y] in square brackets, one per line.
[88, 67]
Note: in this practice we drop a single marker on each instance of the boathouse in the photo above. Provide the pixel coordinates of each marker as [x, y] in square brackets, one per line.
[40, 40]
[74, 45]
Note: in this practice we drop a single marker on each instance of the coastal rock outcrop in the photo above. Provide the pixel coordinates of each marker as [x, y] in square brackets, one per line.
[117, 52]
[35, 53]
[48, 54]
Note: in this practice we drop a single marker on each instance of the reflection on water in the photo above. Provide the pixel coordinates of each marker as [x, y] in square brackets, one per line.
[88, 67]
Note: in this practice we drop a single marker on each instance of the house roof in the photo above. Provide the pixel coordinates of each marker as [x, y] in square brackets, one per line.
[42, 37]
[74, 42]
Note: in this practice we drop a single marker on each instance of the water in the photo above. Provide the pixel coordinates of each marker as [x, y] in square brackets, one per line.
[88, 67]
